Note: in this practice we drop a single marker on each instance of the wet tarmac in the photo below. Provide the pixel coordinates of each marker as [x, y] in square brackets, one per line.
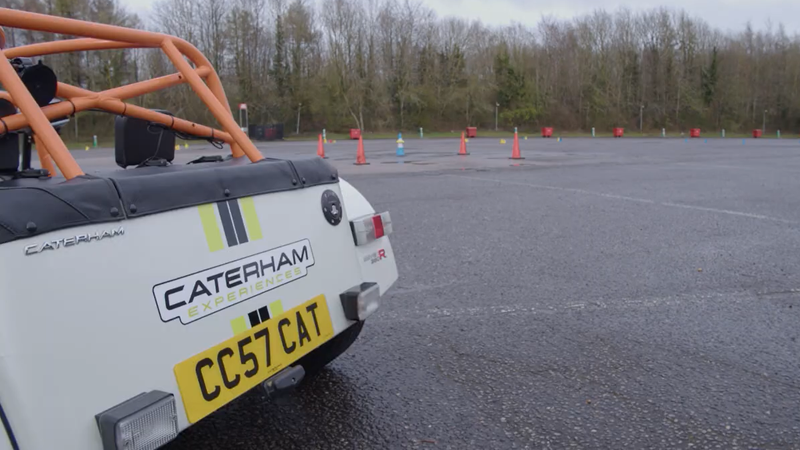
[599, 294]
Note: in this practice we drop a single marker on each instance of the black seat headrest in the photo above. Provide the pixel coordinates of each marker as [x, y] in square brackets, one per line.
[137, 141]
[9, 142]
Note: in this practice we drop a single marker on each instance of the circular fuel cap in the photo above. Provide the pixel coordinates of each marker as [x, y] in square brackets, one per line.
[331, 207]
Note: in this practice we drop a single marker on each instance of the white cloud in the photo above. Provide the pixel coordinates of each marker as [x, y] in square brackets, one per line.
[723, 14]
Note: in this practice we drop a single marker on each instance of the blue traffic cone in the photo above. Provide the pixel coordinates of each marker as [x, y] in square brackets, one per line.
[400, 148]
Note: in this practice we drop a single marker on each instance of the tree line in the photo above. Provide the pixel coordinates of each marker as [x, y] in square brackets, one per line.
[384, 65]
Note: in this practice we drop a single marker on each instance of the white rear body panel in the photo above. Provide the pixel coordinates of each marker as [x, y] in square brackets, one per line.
[5, 444]
[81, 329]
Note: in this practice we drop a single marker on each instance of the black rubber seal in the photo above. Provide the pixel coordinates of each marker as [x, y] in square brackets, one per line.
[9, 432]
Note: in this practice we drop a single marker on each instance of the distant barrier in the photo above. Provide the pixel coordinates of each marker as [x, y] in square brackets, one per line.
[273, 132]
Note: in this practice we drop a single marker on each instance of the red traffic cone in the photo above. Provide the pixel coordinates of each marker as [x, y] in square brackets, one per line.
[321, 148]
[361, 158]
[515, 148]
[463, 149]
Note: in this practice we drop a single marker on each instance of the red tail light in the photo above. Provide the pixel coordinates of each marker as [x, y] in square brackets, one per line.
[369, 228]
[377, 224]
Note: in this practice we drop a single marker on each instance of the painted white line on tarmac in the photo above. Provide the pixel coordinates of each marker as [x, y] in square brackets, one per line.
[726, 211]
[632, 199]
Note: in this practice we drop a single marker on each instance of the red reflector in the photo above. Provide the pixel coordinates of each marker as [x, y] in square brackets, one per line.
[377, 223]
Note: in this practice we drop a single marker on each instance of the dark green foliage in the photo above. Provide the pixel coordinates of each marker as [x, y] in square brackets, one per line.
[709, 79]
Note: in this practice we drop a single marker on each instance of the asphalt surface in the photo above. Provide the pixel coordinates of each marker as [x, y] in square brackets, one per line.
[599, 294]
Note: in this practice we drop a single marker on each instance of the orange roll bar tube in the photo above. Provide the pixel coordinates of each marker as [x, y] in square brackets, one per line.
[125, 109]
[18, 121]
[116, 106]
[132, 90]
[62, 25]
[222, 114]
[69, 45]
[93, 36]
[44, 156]
[156, 84]
[69, 91]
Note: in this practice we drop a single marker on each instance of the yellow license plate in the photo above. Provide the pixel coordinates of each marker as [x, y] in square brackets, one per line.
[212, 378]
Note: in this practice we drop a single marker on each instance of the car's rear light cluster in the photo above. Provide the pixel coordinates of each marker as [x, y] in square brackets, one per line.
[144, 422]
[369, 228]
[361, 301]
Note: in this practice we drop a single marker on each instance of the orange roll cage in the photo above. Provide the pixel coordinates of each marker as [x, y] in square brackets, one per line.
[202, 78]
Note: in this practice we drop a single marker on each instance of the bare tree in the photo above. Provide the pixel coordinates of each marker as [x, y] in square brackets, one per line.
[393, 64]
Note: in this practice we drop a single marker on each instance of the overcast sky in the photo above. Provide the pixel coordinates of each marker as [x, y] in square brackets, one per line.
[723, 14]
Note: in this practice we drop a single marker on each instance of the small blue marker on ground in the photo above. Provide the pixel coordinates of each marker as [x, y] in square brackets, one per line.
[400, 146]
[706, 141]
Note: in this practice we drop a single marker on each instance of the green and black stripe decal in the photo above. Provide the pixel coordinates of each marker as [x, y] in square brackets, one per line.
[238, 221]
[227, 224]
[230, 223]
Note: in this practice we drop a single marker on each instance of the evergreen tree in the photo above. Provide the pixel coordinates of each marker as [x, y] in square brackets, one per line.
[709, 79]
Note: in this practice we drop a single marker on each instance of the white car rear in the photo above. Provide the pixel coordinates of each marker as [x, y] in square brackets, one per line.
[142, 313]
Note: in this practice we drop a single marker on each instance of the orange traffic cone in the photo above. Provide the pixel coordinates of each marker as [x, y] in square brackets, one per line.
[515, 148]
[361, 158]
[463, 149]
[321, 148]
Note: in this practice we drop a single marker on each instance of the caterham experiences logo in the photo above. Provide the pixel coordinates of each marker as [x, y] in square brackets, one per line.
[201, 294]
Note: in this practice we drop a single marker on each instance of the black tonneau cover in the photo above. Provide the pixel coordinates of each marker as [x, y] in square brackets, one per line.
[32, 206]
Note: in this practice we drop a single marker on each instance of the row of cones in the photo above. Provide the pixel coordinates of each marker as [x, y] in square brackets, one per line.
[515, 154]
[361, 157]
